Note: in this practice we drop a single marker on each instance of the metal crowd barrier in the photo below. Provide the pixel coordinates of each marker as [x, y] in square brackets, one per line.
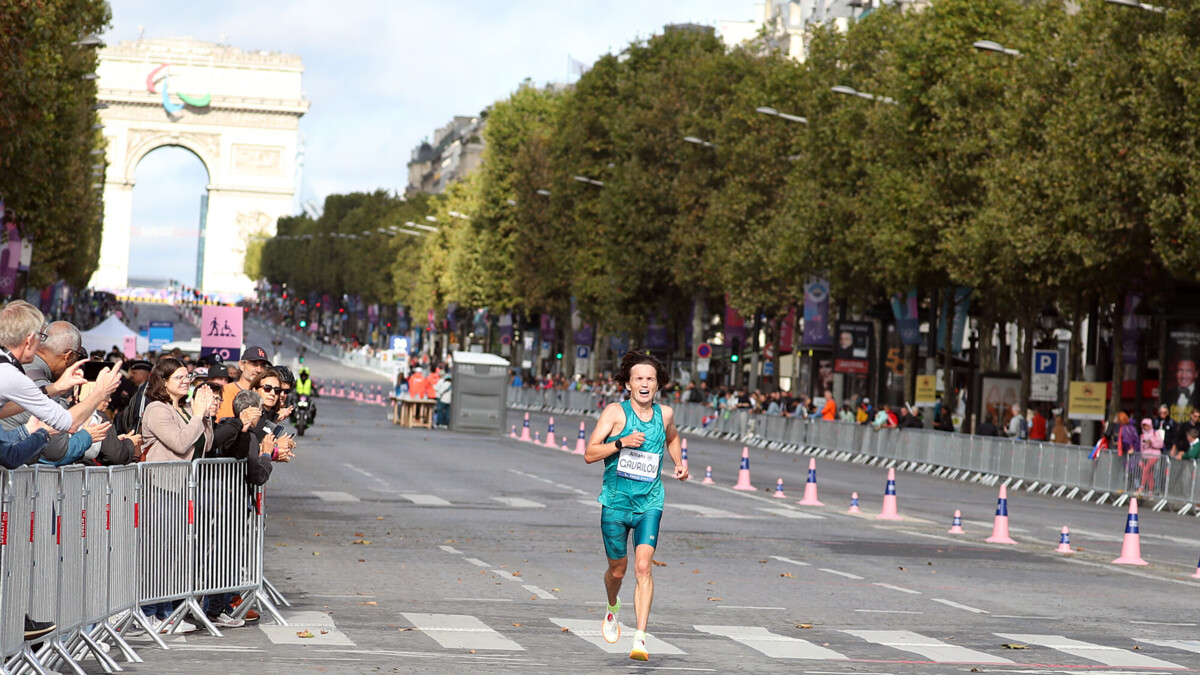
[1066, 469]
[80, 546]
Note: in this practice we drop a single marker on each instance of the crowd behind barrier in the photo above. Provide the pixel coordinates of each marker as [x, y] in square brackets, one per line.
[87, 547]
[1050, 468]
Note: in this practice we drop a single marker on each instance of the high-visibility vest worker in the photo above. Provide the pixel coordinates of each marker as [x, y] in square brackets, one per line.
[416, 384]
[304, 385]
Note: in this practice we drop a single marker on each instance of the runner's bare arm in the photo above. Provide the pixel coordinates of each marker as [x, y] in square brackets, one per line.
[674, 445]
[612, 420]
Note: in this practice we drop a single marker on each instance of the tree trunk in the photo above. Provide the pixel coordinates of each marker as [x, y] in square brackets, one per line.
[1075, 368]
[987, 345]
[699, 312]
[951, 306]
[1024, 356]
[1118, 356]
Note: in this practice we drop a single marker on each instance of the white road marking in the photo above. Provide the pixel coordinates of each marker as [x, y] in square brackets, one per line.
[1020, 616]
[589, 631]
[450, 549]
[1098, 536]
[1161, 623]
[1186, 645]
[460, 631]
[426, 500]
[707, 511]
[543, 594]
[782, 609]
[789, 561]
[897, 588]
[951, 603]
[888, 611]
[477, 562]
[773, 645]
[321, 625]
[934, 650]
[590, 502]
[518, 502]
[791, 513]
[335, 496]
[506, 575]
[1109, 656]
[840, 574]
[477, 599]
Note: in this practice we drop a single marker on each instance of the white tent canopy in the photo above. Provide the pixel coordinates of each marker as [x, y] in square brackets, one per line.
[111, 332]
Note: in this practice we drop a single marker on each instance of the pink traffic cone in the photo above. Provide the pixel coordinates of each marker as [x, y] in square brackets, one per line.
[525, 428]
[853, 503]
[743, 481]
[580, 444]
[1197, 574]
[810, 487]
[564, 447]
[889, 511]
[779, 490]
[513, 434]
[550, 435]
[683, 452]
[537, 437]
[1000, 524]
[956, 524]
[1131, 547]
[707, 476]
[1064, 541]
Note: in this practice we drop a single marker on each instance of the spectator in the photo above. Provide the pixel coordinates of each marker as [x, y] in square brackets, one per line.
[253, 362]
[21, 335]
[1128, 439]
[1184, 444]
[988, 427]
[1017, 428]
[883, 418]
[1037, 426]
[1060, 434]
[1152, 446]
[946, 421]
[1166, 428]
[1193, 450]
[416, 383]
[442, 392]
[829, 409]
[847, 413]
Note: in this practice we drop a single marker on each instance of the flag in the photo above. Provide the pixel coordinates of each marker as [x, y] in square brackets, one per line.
[577, 67]
[1101, 444]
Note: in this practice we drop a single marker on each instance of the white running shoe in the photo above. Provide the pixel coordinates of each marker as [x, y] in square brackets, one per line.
[610, 630]
[638, 653]
[184, 626]
[226, 621]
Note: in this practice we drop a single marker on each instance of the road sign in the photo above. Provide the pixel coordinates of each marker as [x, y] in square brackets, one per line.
[702, 364]
[1043, 383]
[768, 368]
[769, 351]
[926, 390]
[221, 331]
[582, 351]
[704, 350]
[1087, 401]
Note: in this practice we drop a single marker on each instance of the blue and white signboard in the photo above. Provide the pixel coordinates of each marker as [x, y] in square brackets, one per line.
[1043, 384]
[582, 352]
[160, 333]
[398, 343]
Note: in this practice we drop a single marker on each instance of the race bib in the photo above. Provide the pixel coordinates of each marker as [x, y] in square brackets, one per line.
[637, 465]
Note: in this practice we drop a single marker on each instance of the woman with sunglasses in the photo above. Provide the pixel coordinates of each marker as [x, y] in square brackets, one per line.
[268, 386]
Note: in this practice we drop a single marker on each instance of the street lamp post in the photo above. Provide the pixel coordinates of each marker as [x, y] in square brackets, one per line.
[993, 46]
[767, 110]
[589, 181]
[699, 141]
[851, 91]
[1134, 4]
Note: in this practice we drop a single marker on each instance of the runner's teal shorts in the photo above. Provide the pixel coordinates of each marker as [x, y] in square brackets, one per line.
[615, 524]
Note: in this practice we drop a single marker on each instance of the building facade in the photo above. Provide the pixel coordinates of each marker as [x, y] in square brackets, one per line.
[456, 151]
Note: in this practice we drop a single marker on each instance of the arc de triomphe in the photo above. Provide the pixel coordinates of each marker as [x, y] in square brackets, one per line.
[238, 111]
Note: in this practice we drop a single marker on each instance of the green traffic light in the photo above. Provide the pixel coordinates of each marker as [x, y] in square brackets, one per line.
[734, 358]
[558, 355]
[303, 323]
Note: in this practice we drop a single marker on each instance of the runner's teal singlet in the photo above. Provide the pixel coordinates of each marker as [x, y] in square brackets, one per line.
[626, 493]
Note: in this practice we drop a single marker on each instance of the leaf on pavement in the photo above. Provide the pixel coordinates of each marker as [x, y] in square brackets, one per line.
[409, 628]
[361, 542]
[305, 634]
[1013, 645]
[324, 632]
[516, 624]
[695, 571]
[369, 602]
[316, 553]
[565, 630]
[714, 599]
[359, 534]
[570, 550]
[786, 574]
[762, 562]
[657, 563]
[804, 625]
[903, 570]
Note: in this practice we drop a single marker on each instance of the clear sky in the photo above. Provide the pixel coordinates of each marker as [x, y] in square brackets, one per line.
[381, 76]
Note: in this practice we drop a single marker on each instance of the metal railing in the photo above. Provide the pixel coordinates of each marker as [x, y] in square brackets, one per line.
[79, 546]
[1061, 469]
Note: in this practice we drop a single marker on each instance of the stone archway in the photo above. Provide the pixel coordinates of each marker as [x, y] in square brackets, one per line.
[237, 111]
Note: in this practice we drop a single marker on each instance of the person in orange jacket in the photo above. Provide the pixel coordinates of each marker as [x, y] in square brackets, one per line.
[829, 410]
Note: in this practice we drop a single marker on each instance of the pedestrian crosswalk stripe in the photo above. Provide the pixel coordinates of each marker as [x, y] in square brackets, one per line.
[791, 513]
[519, 502]
[707, 511]
[934, 650]
[589, 631]
[1109, 656]
[1185, 645]
[426, 500]
[776, 646]
[335, 496]
[460, 631]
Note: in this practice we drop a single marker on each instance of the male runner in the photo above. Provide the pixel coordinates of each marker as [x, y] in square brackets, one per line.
[631, 437]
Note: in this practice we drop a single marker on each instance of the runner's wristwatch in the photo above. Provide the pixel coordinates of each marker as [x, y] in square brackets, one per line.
[618, 444]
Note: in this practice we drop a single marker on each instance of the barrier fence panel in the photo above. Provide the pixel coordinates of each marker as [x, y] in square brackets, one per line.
[226, 532]
[16, 533]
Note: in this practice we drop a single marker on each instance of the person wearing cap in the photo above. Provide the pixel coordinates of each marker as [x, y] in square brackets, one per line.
[442, 394]
[253, 362]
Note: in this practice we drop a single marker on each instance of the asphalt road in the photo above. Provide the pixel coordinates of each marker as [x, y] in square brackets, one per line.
[435, 551]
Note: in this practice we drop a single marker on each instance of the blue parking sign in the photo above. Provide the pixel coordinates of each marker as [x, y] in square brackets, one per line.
[1045, 362]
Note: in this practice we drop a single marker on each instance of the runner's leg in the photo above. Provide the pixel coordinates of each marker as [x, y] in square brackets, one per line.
[613, 577]
[643, 595]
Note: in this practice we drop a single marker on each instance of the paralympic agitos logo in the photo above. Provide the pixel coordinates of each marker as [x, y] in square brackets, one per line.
[162, 74]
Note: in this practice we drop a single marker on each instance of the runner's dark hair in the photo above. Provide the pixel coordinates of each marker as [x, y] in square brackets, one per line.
[632, 359]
